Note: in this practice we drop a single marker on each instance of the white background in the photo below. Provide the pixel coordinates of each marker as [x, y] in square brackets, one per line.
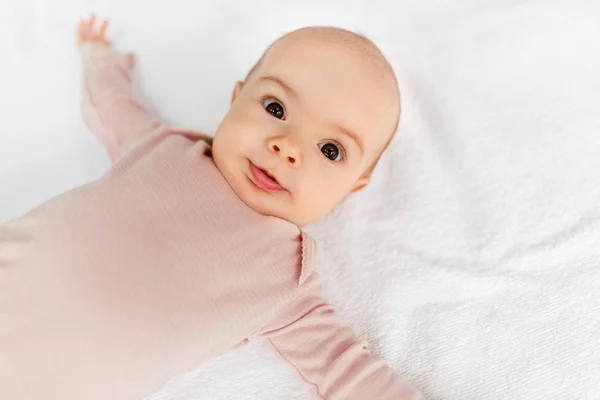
[472, 264]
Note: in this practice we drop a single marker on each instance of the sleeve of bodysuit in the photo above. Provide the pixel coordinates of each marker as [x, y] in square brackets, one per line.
[324, 352]
[110, 110]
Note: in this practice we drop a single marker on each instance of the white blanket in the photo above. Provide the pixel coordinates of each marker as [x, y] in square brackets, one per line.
[472, 263]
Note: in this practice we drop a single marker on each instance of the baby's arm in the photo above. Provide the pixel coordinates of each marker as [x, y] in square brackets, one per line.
[327, 356]
[110, 109]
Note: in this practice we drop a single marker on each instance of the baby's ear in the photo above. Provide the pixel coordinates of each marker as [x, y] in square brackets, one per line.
[361, 183]
[236, 90]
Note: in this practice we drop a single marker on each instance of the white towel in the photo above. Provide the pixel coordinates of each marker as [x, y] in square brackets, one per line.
[471, 264]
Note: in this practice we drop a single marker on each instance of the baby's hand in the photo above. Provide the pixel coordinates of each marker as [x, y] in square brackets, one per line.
[88, 33]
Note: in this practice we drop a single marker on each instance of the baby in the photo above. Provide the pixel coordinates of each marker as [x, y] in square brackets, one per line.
[190, 246]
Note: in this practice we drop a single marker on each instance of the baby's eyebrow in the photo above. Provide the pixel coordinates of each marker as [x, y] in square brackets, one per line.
[281, 83]
[352, 135]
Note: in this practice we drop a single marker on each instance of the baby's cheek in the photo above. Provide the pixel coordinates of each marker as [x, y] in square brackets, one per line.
[226, 136]
[243, 129]
[318, 198]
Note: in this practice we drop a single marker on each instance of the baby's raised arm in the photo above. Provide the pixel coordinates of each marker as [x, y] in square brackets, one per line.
[109, 108]
[325, 354]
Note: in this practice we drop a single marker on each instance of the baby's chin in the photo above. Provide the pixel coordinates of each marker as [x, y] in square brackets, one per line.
[278, 205]
[267, 205]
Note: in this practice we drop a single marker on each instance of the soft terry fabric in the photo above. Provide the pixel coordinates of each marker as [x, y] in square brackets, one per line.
[109, 290]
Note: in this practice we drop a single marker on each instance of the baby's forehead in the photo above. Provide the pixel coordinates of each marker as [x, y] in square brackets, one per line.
[317, 51]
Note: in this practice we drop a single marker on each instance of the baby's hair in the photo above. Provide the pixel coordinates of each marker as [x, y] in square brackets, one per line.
[362, 43]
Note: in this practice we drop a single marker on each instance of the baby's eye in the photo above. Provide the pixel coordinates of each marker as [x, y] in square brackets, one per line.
[331, 150]
[274, 108]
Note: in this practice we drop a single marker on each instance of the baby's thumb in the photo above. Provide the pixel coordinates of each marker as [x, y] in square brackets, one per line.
[130, 60]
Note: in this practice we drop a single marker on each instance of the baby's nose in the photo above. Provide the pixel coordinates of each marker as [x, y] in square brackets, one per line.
[287, 151]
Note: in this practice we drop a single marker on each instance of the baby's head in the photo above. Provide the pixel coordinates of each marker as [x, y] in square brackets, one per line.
[309, 123]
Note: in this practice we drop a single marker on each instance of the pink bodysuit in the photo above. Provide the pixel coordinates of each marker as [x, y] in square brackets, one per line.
[109, 290]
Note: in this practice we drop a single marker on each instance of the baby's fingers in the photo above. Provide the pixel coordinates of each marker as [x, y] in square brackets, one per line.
[84, 28]
[86, 31]
[102, 29]
[82, 31]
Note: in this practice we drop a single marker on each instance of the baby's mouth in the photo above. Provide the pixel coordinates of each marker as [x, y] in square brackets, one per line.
[264, 180]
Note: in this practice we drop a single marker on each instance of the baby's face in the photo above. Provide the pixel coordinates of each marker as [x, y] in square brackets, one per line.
[305, 127]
